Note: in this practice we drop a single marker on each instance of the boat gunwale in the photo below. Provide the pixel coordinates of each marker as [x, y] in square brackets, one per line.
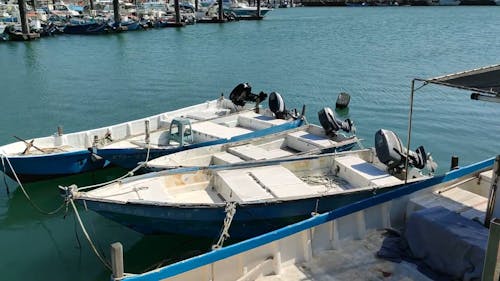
[149, 203]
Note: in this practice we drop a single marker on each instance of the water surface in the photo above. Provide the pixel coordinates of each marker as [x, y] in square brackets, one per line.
[308, 55]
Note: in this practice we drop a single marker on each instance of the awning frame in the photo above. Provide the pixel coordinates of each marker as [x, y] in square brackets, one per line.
[478, 94]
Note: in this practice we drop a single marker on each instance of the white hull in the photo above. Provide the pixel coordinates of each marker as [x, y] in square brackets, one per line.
[305, 139]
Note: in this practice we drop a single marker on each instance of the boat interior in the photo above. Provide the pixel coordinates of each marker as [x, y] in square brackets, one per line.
[288, 180]
[303, 139]
[191, 128]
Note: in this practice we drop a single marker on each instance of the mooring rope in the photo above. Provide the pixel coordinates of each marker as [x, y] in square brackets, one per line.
[3, 156]
[128, 174]
[87, 236]
[230, 211]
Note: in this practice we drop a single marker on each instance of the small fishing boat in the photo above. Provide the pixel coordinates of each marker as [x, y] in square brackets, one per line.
[88, 28]
[130, 25]
[129, 142]
[306, 139]
[199, 129]
[242, 10]
[256, 196]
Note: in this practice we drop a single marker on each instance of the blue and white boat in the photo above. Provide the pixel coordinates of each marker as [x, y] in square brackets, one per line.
[88, 28]
[242, 10]
[265, 195]
[446, 241]
[66, 154]
[307, 139]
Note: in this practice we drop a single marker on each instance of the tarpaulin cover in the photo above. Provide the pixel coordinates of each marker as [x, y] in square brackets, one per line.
[485, 80]
[447, 242]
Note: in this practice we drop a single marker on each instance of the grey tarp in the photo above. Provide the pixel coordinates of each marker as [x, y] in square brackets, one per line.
[485, 80]
[447, 242]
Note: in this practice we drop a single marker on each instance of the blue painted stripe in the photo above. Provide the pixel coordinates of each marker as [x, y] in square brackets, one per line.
[211, 257]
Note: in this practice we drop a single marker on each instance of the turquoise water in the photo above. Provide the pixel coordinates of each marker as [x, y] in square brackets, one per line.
[308, 55]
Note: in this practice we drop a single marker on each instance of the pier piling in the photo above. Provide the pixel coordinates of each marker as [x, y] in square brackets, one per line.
[454, 162]
[117, 260]
[221, 11]
[116, 11]
[177, 12]
[22, 14]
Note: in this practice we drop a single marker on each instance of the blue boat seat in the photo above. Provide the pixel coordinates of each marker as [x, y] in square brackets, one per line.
[183, 135]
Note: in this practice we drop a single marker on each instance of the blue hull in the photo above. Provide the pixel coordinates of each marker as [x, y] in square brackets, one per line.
[53, 165]
[249, 220]
[129, 157]
[131, 25]
[87, 28]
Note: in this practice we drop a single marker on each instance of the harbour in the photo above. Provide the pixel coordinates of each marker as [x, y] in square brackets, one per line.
[74, 80]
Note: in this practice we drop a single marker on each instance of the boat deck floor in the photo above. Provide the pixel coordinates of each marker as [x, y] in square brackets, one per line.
[355, 260]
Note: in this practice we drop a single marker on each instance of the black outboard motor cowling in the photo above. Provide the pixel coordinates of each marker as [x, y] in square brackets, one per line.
[391, 152]
[242, 93]
[389, 148]
[277, 105]
[331, 124]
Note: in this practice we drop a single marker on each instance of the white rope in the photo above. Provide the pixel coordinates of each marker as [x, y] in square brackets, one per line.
[3, 156]
[128, 174]
[91, 243]
[230, 211]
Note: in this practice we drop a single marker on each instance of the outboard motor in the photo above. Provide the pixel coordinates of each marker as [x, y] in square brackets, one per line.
[277, 105]
[242, 93]
[391, 152]
[331, 124]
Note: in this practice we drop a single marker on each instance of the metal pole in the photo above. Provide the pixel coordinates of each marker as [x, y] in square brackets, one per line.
[196, 5]
[493, 192]
[91, 2]
[491, 269]
[117, 260]
[408, 140]
[22, 14]
[116, 11]
[177, 11]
